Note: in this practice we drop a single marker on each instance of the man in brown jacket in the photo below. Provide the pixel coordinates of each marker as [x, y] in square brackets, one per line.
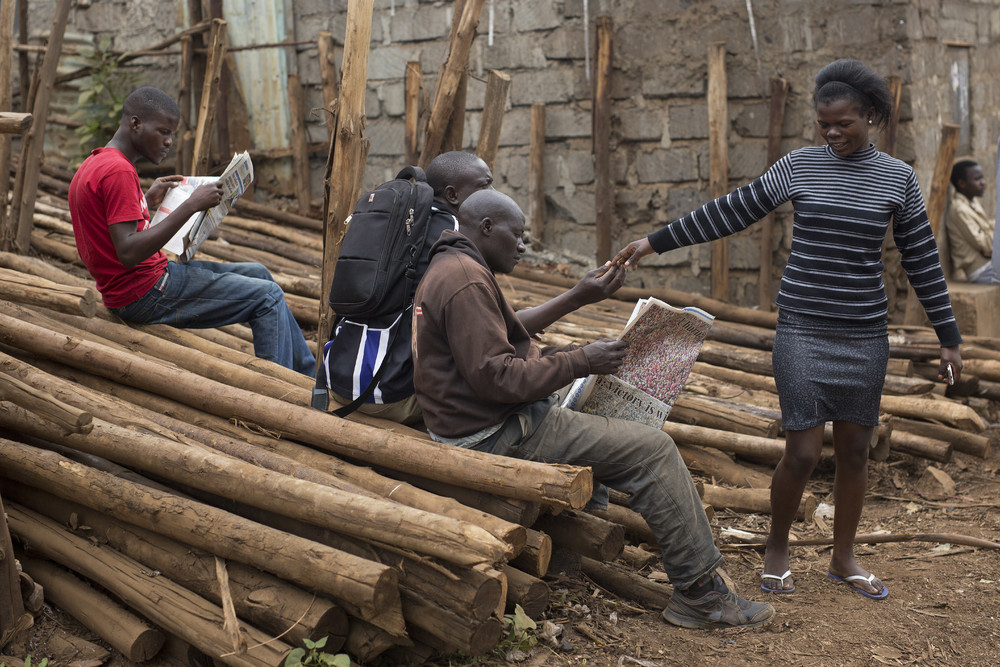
[483, 383]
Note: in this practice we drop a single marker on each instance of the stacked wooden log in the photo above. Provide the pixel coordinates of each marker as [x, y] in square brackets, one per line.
[173, 466]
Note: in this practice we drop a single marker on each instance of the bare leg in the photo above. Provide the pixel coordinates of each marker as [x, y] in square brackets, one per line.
[802, 450]
[850, 442]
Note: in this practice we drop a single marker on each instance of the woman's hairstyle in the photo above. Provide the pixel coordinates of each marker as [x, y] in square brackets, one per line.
[853, 80]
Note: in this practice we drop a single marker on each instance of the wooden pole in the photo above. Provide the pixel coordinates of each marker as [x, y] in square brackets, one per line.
[269, 603]
[497, 87]
[329, 81]
[603, 192]
[6, 102]
[757, 501]
[895, 92]
[450, 80]
[414, 83]
[209, 98]
[536, 176]
[776, 119]
[365, 588]
[718, 155]
[937, 200]
[584, 533]
[13, 618]
[124, 631]
[300, 149]
[185, 135]
[455, 131]
[14, 123]
[24, 75]
[170, 606]
[44, 405]
[626, 584]
[221, 116]
[558, 485]
[26, 182]
[348, 149]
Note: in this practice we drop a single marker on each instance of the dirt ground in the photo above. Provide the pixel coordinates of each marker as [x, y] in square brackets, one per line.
[943, 607]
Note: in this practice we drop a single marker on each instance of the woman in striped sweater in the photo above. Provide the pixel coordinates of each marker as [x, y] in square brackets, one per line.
[831, 345]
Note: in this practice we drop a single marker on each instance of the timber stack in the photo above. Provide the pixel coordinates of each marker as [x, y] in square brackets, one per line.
[133, 450]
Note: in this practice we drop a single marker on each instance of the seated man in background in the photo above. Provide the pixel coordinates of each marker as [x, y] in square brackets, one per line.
[123, 253]
[482, 383]
[970, 230]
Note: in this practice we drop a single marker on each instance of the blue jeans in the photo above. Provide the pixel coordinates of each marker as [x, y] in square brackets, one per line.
[630, 457]
[204, 295]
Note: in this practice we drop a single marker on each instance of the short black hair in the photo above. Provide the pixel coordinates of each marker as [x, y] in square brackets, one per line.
[147, 102]
[448, 169]
[854, 81]
[959, 170]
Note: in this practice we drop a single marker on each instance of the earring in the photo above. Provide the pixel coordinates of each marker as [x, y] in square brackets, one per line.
[869, 121]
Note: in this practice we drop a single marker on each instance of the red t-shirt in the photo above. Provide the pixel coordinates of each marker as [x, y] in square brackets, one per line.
[105, 191]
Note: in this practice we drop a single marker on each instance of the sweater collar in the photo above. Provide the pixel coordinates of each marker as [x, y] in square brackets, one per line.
[862, 155]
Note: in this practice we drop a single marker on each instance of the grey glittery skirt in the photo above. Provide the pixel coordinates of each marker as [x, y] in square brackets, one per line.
[828, 370]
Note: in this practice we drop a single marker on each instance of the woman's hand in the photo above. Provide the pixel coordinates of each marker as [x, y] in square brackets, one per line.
[950, 358]
[630, 255]
[158, 190]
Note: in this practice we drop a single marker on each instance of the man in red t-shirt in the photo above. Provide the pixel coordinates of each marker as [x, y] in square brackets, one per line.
[122, 252]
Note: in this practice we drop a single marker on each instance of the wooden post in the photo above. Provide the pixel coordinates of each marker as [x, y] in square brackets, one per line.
[24, 75]
[779, 93]
[936, 202]
[209, 98]
[536, 175]
[26, 182]
[300, 148]
[497, 86]
[185, 135]
[455, 131]
[414, 82]
[603, 194]
[348, 149]
[13, 618]
[329, 80]
[718, 155]
[450, 80]
[895, 91]
[6, 100]
[222, 111]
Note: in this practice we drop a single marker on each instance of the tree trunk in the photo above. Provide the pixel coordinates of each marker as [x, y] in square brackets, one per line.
[534, 558]
[555, 484]
[125, 632]
[752, 500]
[627, 585]
[365, 588]
[963, 441]
[585, 533]
[751, 446]
[267, 602]
[526, 590]
[162, 601]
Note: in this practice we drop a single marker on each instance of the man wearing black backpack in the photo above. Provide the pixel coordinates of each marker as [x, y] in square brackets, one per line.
[359, 345]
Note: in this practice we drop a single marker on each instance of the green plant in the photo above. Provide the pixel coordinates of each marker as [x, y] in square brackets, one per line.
[27, 662]
[314, 656]
[102, 94]
[521, 629]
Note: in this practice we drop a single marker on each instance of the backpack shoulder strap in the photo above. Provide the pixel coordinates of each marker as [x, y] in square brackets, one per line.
[412, 172]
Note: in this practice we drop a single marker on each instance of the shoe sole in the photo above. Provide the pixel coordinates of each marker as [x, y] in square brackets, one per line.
[692, 623]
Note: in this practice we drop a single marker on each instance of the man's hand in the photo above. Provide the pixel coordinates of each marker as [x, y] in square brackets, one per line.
[605, 356]
[158, 190]
[205, 196]
[600, 283]
[630, 255]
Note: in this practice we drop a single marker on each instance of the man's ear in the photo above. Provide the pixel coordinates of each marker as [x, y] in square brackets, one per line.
[134, 123]
[450, 195]
[486, 226]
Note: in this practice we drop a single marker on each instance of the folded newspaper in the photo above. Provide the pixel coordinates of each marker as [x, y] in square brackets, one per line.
[664, 343]
[235, 181]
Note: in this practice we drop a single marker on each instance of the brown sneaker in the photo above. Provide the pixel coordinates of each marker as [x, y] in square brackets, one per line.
[716, 610]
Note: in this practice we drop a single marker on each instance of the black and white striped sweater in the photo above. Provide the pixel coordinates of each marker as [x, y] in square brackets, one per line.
[843, 206]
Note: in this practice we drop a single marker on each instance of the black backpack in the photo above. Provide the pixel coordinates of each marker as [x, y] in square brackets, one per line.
[375, 273]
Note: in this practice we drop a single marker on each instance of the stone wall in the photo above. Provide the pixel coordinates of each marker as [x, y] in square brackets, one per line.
[659, 126]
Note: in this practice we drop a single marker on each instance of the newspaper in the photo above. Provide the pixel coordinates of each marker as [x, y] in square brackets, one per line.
[235, 181]
[664, 343]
